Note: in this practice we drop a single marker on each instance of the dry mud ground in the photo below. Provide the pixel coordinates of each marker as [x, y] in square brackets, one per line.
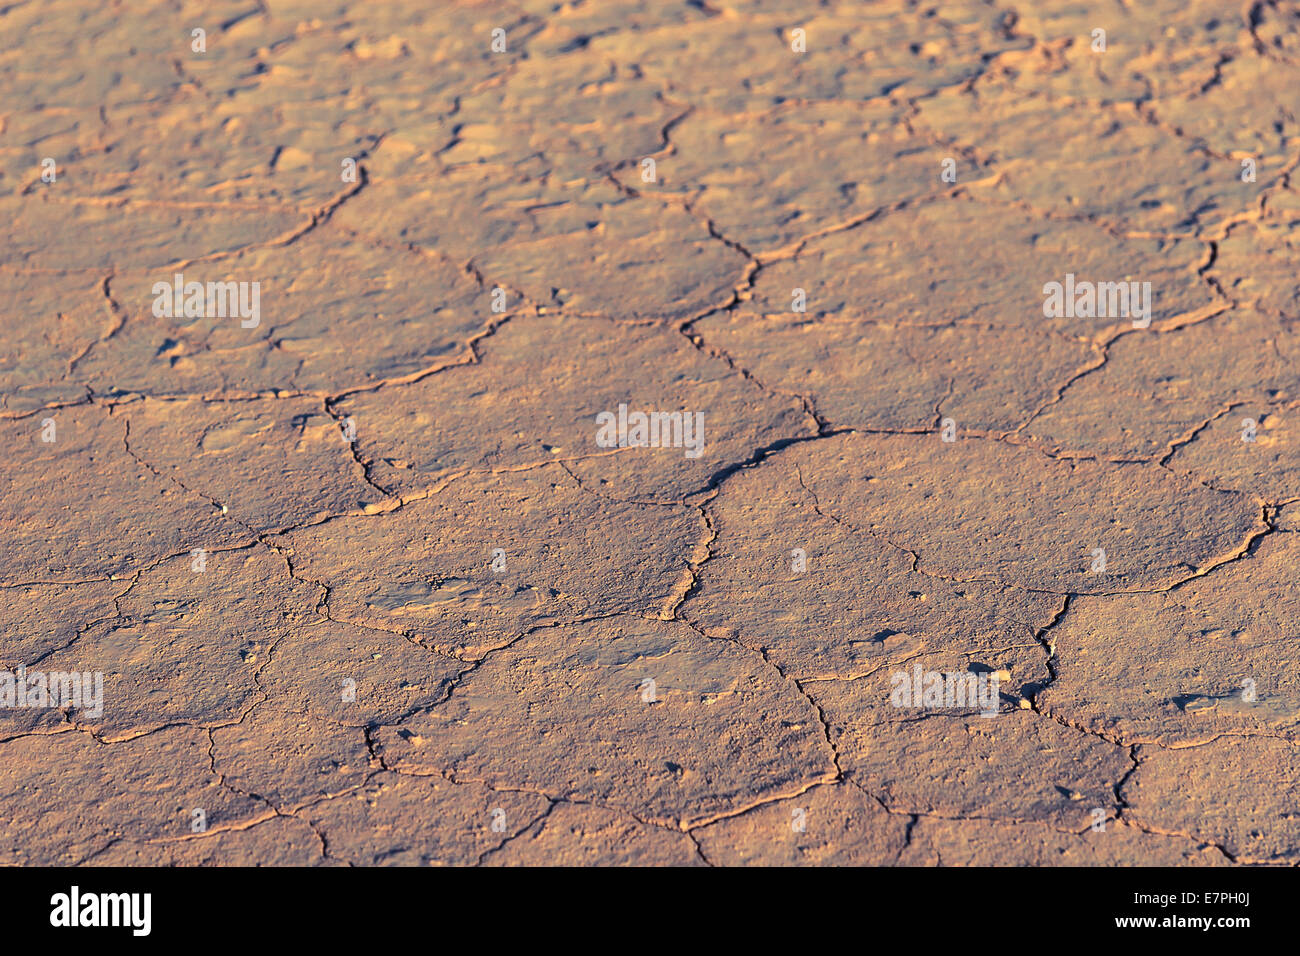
[363, 580]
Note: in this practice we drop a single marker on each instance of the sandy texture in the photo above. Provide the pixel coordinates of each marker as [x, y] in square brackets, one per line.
[365, 578]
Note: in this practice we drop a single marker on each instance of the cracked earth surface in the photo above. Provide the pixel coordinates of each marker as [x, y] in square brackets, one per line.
[364, 588]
